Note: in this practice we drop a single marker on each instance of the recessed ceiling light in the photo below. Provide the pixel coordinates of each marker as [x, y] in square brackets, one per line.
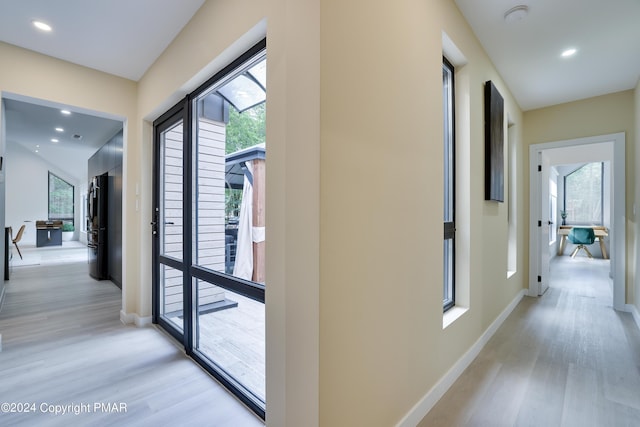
[54, 140]
[37, 146]
[517, 13]
[59, 130]
[36, 151]
[569, 52]
[41, 25]
[65, 112]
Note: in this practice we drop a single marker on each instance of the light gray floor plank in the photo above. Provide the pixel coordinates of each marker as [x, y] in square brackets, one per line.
[63, 343]
[564, 359]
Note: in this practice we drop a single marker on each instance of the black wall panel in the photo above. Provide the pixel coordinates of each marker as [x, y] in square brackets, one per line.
[108, 159]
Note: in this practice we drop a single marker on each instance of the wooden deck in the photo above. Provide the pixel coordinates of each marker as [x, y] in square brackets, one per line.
[235, 339]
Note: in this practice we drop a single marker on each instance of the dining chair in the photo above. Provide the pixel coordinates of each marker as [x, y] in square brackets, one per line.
[17, 239]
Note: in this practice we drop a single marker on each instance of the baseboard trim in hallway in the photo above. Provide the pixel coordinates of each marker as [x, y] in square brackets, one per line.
[135, 319]
[634, 311]
[422, 408]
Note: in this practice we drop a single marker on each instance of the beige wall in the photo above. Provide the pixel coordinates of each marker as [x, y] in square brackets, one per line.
[382, 344]
[590, 117]
[30, 74]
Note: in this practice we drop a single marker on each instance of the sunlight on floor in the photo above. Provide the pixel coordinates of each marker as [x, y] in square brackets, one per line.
[72, 251]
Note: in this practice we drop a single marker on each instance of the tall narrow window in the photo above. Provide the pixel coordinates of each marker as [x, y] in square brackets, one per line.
[512, 203]
[583, 194]
[60, 199]
[449, 185]
[553, 206]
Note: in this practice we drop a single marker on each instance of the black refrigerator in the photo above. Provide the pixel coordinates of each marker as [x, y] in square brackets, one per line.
[97, 227]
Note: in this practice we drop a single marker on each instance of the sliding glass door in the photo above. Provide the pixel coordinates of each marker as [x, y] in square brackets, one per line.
[210, 225]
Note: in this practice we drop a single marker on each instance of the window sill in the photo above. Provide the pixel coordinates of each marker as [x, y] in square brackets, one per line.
[452, 315]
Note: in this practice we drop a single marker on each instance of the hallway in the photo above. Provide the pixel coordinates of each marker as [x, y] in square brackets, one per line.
[565, 359]
[63, 344]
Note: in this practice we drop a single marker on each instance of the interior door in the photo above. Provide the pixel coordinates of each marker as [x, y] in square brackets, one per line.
[169, 269]
[544, 224]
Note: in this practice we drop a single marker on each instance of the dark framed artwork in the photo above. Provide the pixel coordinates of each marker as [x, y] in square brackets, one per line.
[493, 143]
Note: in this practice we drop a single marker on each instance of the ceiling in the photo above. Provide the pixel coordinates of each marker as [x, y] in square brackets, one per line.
[527, 52]
[120, 37]
[32, 126]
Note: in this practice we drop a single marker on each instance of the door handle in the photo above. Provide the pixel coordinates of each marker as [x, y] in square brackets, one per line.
[169, 223]
[154, 222]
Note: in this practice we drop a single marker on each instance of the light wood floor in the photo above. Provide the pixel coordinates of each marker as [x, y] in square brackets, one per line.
[564, 359]
[63, 344]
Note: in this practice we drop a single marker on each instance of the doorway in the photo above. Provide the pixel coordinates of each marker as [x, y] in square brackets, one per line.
[48, 153]
[609, 147]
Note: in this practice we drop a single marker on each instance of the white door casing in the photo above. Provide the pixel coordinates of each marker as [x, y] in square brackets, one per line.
[539, 241]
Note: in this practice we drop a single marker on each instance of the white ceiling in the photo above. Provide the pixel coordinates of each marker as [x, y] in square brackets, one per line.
[33, 126]
[527, 52]
[121, 37]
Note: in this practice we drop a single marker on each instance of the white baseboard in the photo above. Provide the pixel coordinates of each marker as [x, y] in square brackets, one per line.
[422, 408]
[133, 318]
[634, 311]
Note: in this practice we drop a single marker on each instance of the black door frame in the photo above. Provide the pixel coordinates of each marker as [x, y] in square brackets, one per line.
[183, 110]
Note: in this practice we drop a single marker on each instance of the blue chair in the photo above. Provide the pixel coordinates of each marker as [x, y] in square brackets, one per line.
[582, 236]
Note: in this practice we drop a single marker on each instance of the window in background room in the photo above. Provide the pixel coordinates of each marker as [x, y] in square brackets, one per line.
[83, 213]
[60, 199]
[583, 194]
[449, 185]
[512, 243]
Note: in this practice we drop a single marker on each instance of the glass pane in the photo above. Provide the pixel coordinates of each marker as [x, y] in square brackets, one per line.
[230, 161]
[172, 295]
[231, 334]
[583, 195]
[60, 199]
[448, 272]
[448, 142]
[259, 72]
[171, 191]
[243, 92]
[553, 231]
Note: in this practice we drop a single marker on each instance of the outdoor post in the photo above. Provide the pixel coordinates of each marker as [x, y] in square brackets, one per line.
[258, 218]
